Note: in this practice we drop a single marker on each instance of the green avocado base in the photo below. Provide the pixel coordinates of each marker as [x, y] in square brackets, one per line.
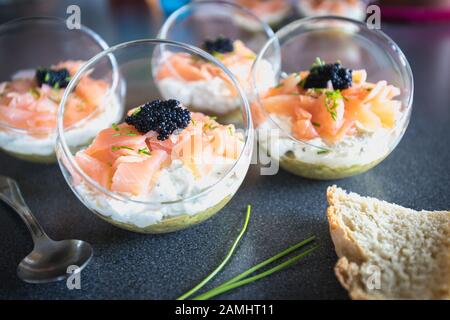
[321, 172]
[171, 224]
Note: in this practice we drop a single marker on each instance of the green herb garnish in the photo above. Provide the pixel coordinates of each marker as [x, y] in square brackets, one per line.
[35, 93]
[318, 63]
[144, 151]
[315, 124]
[322, 152]
[224, 262]
[136, 112]
[116, 148]
[47, 77]
[116, 134]
[331, 102]
[115, 126]
[230, 130]
[56, 85]
[131, 134]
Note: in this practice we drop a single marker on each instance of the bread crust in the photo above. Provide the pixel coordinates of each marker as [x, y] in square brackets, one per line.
[352, 256]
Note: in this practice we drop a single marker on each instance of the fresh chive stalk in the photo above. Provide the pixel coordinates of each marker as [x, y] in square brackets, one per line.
[269, 261]
[224, 262]
[224, 288]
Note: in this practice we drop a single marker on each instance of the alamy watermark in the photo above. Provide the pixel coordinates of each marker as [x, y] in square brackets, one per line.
[73, 21]
[74, 279]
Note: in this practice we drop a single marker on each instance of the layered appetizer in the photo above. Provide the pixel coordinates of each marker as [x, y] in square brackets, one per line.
[29, 105]
[204, 86]
[272, 12]
[353, 9]
[158, 161]
[329, 122]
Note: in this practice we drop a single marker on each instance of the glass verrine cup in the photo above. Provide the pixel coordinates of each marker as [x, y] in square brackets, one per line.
[28, 107]
[175, 200]
[324, 132]
[217, 27]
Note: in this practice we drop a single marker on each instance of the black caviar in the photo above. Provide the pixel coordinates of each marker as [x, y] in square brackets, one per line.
[319, 75]
[164, 117]
[219, 45]
[55, 78]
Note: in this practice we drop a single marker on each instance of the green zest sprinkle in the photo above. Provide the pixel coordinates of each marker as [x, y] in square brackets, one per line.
[224, 262]
[331, 102]
[322, 151]
[315, 124]
[115, 126]
[144, 151]
[116, 148]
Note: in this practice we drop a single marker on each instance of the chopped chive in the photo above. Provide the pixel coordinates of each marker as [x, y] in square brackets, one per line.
[131, 134]
[68, 79]
[322, 151]
[315, 124]
[193, 121]
[230, 130]
[116, 148]
[144, 151]
[224, 262]
[56, 85]
[318, 63]
[116, 134]
[136, 112]
[47, 77]
[115, 126]
[35, 93]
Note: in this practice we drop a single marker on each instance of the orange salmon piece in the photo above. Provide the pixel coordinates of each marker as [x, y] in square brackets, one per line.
[135, 177]
[97, 170]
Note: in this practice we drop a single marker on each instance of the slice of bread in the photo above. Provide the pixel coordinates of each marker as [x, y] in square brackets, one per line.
[387, 251]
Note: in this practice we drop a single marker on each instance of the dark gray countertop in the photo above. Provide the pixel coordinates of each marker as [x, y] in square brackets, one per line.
[286, 208]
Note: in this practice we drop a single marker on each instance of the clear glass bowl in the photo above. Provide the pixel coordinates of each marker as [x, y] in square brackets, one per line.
[135, 61]
[198, 21]
[29, 43]
[272, 12]
[356, 47]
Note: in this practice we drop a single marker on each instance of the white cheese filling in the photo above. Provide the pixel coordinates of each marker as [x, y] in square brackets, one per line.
[81, 134]
[361, 149]
[174, 182]
[214, 95]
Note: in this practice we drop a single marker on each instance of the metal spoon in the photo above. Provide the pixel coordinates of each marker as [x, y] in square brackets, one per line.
[49, 259]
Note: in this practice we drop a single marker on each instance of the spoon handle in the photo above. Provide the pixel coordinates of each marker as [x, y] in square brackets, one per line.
[10, 193]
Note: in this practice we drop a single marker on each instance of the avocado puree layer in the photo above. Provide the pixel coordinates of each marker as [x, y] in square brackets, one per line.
[171, 224]
[323, 172]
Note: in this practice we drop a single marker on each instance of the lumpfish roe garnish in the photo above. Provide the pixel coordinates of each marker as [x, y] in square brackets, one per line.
[318, 77]
[219, 45]
[164, 117]
[55, 78]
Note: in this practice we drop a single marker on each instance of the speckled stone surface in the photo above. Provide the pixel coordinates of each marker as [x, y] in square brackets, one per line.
[286, 209]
